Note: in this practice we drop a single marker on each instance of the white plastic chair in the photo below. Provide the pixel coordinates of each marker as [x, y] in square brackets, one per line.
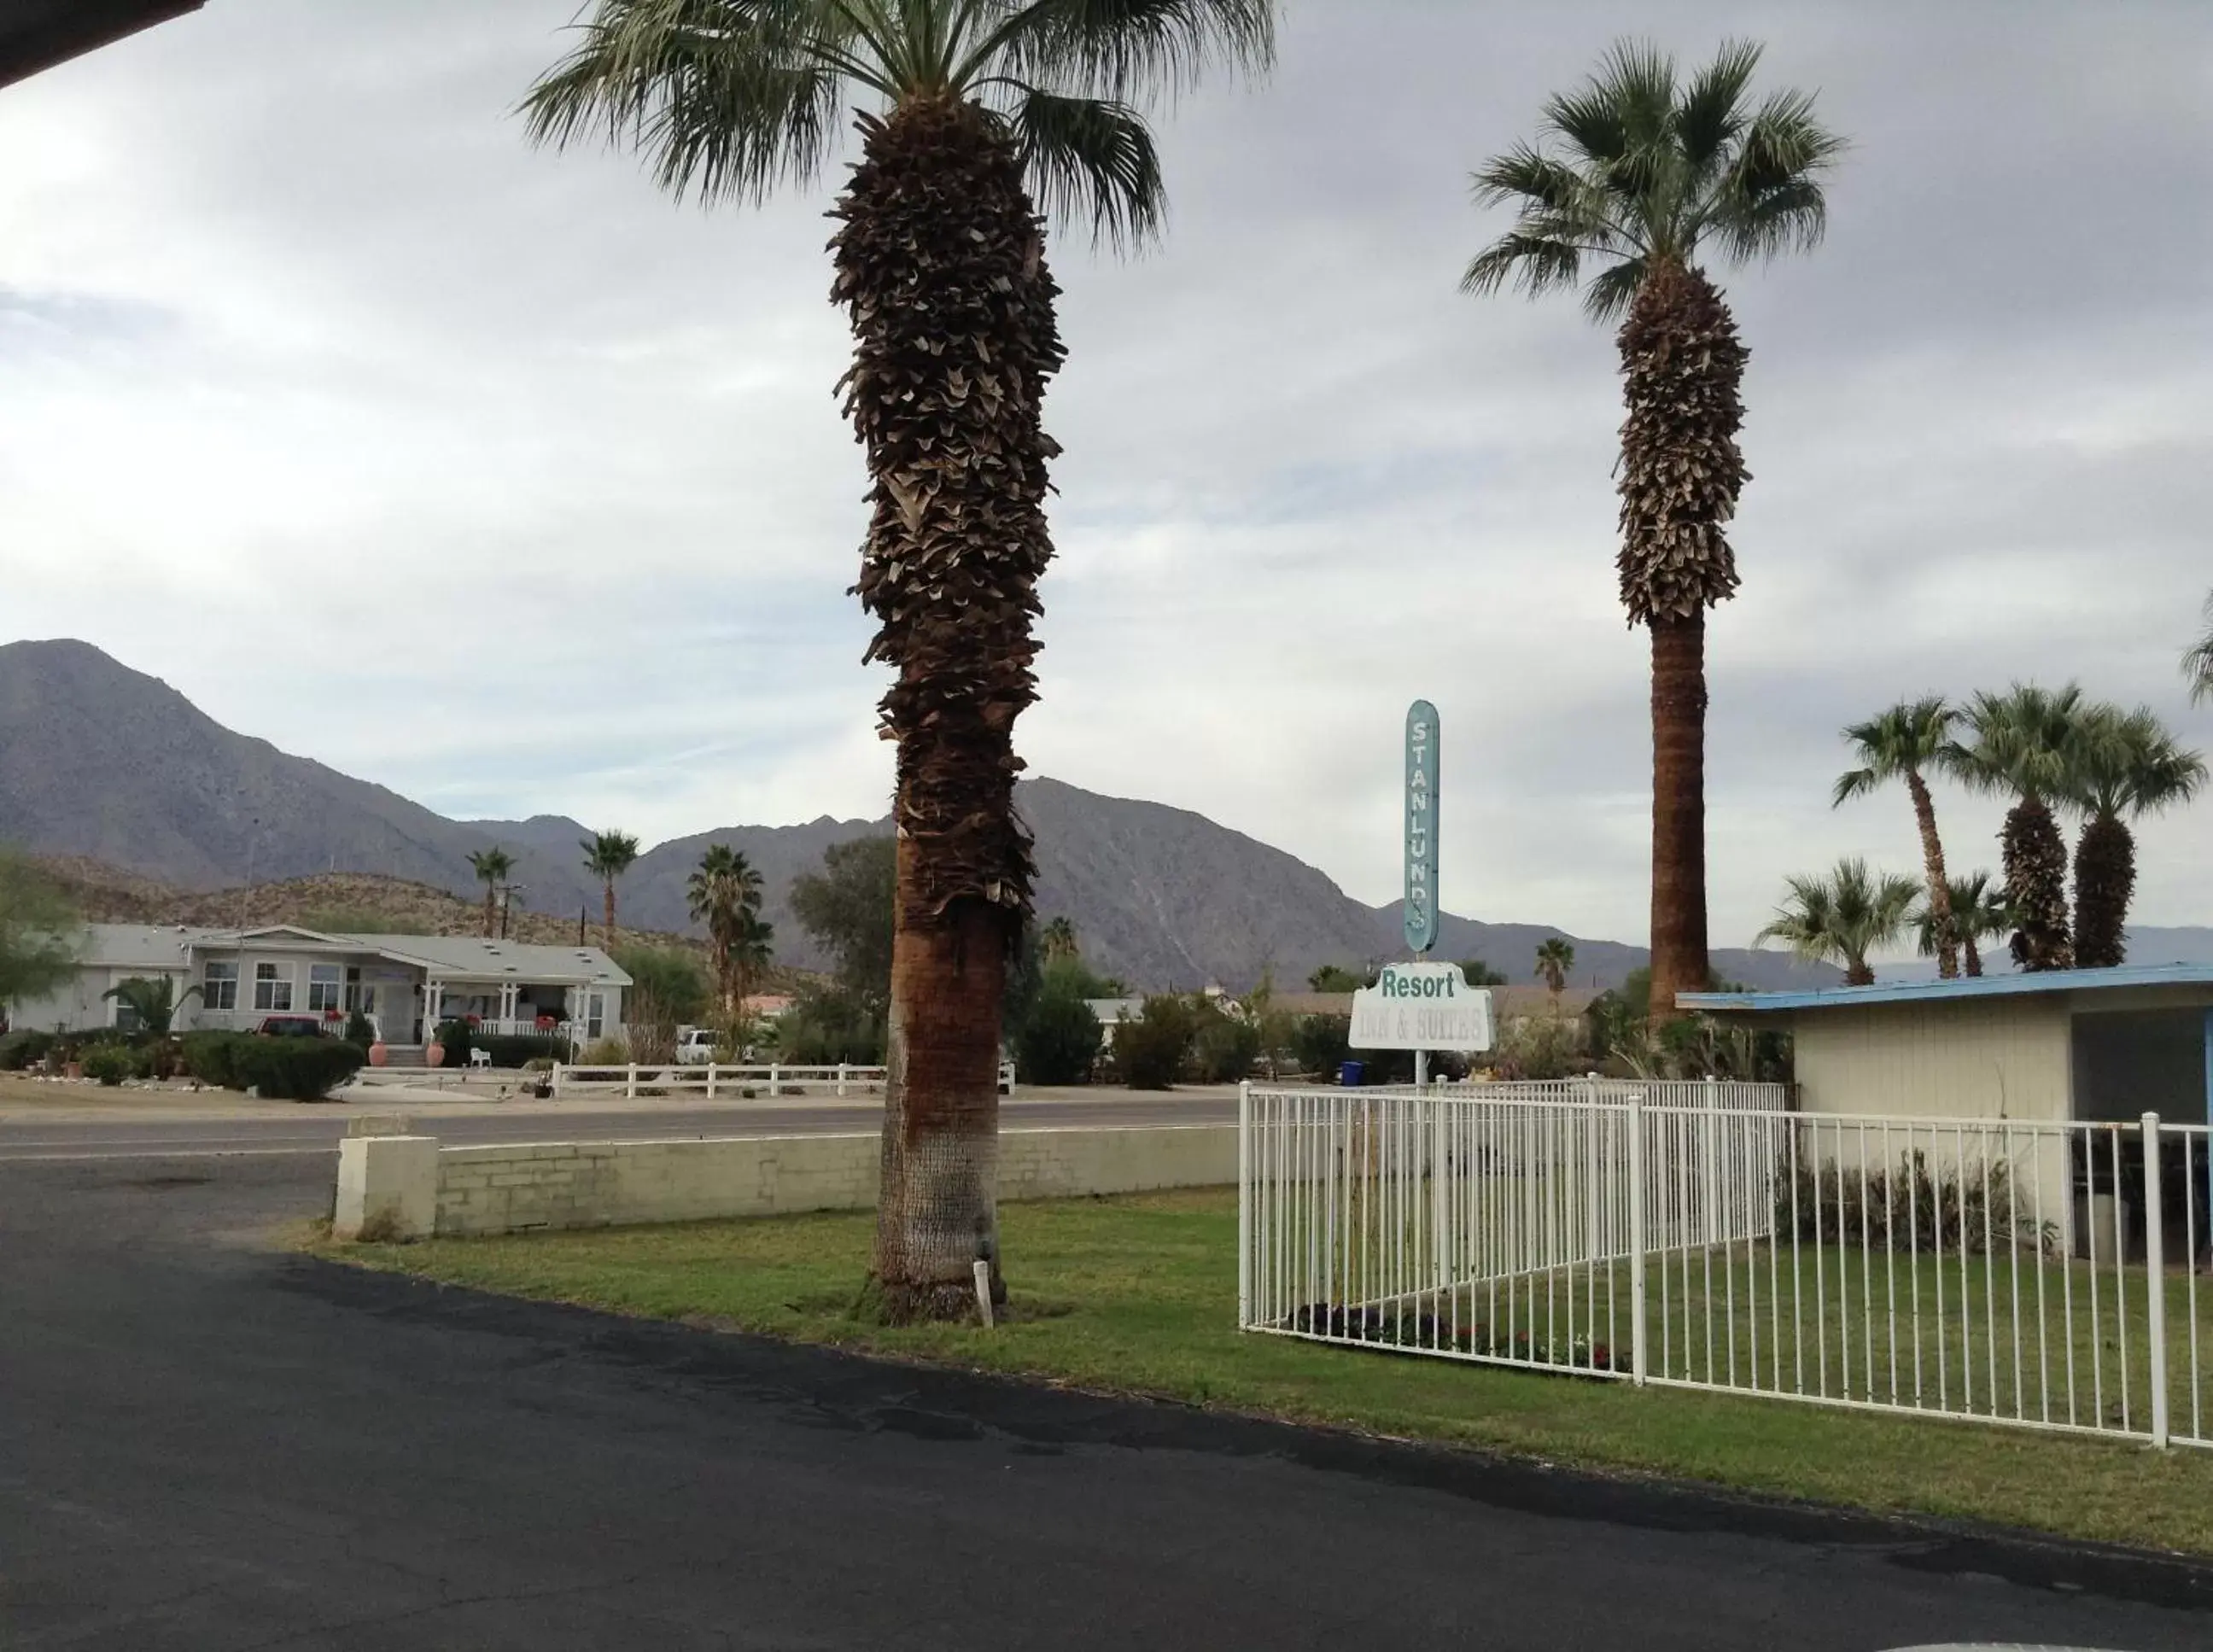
[479, 1058]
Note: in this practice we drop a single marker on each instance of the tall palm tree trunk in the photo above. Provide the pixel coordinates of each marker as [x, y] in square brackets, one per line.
[1679, 812]
[1681, 470]
[1939, 892]
[610, 925]
[491, 911]
[941, 263]
[1973, 953]
[2035, 861]
[2104, 883]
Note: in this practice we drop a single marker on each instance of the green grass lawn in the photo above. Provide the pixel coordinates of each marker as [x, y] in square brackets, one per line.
[1137, 1295]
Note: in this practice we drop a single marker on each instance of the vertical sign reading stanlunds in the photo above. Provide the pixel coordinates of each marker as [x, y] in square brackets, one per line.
[1421, 903]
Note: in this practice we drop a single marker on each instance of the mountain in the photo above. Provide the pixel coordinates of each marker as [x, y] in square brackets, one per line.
[102, 762]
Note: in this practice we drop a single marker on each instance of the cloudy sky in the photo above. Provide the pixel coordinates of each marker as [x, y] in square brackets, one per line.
[494, 476]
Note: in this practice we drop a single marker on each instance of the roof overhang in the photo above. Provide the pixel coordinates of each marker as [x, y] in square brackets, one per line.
[1979, 988]
[36, 34]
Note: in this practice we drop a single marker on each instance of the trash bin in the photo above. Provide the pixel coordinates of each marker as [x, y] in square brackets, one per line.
[1351, 1072]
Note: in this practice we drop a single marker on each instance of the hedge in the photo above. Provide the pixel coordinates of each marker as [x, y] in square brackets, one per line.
[295, 1070]
[22, 1049]
[519, 1049]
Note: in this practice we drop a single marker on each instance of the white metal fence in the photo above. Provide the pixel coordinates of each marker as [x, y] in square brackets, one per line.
[2041, 1275]
[716, 1080]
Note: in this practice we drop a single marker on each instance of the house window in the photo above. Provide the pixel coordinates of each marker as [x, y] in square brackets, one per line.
[272, 987]
[595, 1017]
[323, 986]
[127, 1017]
[219, 987]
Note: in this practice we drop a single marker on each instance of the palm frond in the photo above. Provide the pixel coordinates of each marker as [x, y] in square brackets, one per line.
[1772, 199]
[1711, 114]
[1091, 158]
[2198, 663]
[728, 98]
[1534, 263]
[1124, 51]
[1614, 289]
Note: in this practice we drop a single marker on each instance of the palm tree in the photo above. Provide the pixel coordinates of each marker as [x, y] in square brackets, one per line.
[1979, 913]
[1058, 938]
[492, 867]
[608, 855]
[2125, 766]
[1901, 744]
[153, 1002]
[976, 112]
[1648, 175]
[753, 949]
[723, 893]
[2198, 664]
[2023, 743]
[1842, 918]
[1556, 960]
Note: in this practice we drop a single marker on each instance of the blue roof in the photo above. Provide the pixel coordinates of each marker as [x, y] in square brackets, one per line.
[1982, 986]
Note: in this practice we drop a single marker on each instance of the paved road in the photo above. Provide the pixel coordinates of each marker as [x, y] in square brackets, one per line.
[313, 1130]
[208, 1446]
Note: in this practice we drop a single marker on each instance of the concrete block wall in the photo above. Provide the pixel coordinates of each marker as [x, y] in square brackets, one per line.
[514, 1188]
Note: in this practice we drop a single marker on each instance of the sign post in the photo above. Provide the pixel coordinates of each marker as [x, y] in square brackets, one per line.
[1420, 902]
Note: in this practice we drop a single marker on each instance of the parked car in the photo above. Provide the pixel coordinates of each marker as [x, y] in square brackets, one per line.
[289, 1026]
[695, 1045]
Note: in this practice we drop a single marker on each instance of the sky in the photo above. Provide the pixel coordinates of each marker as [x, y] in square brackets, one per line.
[495, 476]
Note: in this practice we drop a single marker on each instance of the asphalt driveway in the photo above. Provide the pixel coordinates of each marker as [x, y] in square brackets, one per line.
[205, 1443]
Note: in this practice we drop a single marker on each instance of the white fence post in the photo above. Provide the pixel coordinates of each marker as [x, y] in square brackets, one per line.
[1637, 1343]
[630, 1084]
[775, 1078]
[1244, 1204]
[710, 1078]
[557, 1069]
[2155, 1281]
[841, 1078]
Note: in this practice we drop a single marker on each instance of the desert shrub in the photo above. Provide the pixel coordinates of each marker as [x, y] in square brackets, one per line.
[520, 1050]
[1979, 1210]
[23, 1049]
[110, 1064]
[455, 1037]
[829, 1025]
[295, 1069]
[208, 1059]
[1542, 1047]
[605, 1052]
[1059, 1041]
[1321, 1042]
[1151, 1051]
[359, 1030]
[1225, 1049]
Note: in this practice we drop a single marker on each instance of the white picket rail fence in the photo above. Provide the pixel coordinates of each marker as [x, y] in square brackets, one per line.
[717, 1080]
[2036, 1275]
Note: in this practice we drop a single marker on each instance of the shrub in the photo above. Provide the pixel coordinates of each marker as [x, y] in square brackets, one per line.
[359, 1030]
[1151, 1050]
[1225, 1049]
[297, 1069]
[605, 1052]
[1321, 1042]
[829, 1025]
[520, 1050]
[208, 1059]
[110, 1064]
[24, 1049]
[455, 1037]
[1059, 1041]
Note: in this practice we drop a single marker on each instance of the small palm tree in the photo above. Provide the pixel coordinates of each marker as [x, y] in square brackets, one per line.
[722, 893]
[2023, 744]
[1979, 913]
[1057, 938]
[608, 855]
[1842, 918]
[2198, 664]
[492, 867]
[1649, 174]
[753, 949]
[153, 1002]
[971, 114]
[1556, 960]
[2125, 764]
[1902, 744]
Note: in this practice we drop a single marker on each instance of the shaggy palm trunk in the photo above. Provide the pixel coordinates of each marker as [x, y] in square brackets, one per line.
[610, 914]
[1681, 471]
[1939, 892]
[2105, 882]
[491, 911]
[1858, 972]
[1972, 954]
[2036, 883]
[941, 263]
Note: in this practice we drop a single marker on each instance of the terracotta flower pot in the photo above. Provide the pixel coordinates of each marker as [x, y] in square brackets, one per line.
[433, 1054]
[73, 1070]
[379, 1054]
